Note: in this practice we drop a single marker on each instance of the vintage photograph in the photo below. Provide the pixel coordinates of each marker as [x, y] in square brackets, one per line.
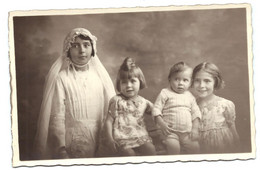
[154, 84]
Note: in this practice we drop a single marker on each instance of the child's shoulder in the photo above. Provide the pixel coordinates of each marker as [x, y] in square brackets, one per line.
[224, 102]
[62, 76]
[62, 73]
[141, 99]
[115, 98]
[189, 94]
[167, 90]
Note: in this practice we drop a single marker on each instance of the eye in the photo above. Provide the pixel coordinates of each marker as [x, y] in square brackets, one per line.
[123, 81]
[207, 80]
[75, 45]
[186, 80]
[133, 80]
[87, 45]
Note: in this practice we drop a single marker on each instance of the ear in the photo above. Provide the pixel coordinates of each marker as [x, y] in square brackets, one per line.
[68, 54]
[93, 51]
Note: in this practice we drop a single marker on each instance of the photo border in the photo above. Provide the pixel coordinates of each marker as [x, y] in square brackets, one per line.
[137, 159]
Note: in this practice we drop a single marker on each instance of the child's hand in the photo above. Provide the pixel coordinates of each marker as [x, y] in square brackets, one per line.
[194, 135]
[166, 130]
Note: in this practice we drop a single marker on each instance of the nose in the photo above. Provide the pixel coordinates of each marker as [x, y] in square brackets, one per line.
[82, 48]
[129, 84]
[202, 84]
[181, 82]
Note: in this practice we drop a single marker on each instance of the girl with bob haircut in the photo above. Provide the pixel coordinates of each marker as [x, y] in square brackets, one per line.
[213, 70]
[125, 127]
[218, 132]
[129, 70]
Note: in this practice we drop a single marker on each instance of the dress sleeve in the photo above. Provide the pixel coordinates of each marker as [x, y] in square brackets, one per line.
[195, 110]
[57, 118]
[159, 104]
[149, 107]
[229, 112]
[112, 108]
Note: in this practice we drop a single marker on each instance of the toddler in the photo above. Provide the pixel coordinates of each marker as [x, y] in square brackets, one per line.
[177, 113]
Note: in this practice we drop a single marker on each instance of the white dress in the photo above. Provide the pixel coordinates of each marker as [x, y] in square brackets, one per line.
[77, 112]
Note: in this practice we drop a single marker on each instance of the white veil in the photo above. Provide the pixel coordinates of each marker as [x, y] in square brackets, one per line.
[41, 138]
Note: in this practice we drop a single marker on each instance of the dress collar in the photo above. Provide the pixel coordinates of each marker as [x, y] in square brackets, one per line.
[82, 68]
[134, 99]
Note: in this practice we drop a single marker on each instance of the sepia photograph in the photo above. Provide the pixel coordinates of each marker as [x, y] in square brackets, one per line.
[132, 85]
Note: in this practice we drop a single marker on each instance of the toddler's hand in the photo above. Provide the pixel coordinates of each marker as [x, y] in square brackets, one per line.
[166, 130]
[194, 135]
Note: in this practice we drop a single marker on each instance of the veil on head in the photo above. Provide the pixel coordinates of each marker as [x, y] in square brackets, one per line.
[41, 138]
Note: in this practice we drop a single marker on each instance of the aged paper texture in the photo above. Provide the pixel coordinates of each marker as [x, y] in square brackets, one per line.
[157, 37]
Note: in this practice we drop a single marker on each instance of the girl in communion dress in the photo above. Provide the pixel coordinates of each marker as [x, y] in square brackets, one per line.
[75, 101]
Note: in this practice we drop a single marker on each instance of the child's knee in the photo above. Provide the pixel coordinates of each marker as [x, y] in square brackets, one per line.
[192, 148]
[172, 146]
[127, 152]
[151, 149]
[147, 149]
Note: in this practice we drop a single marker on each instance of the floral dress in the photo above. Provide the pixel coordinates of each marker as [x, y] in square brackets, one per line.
[129, 129]
[215, 134]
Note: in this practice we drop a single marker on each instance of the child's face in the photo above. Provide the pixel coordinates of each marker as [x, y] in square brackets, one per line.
[181, 81]
[203, 84]
[130, 87]
[80, 51]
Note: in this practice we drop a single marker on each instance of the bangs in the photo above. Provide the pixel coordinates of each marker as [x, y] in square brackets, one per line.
[123, 75]
[135, 72]
[81, 36]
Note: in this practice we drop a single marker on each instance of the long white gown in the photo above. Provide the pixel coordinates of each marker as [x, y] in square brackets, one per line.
[78, 97]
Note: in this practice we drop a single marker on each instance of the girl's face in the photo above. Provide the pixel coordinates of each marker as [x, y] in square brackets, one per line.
[80, 51]
[180, 82]
[203, 84]
[130, 87]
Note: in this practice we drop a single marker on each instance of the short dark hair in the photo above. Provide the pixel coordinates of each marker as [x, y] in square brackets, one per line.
[127, 73]
[211, 69]
[178, 67]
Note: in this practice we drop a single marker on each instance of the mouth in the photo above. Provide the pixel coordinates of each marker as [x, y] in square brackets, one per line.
[202, 91]
[129, 91]
[180, 88]
[82, 56]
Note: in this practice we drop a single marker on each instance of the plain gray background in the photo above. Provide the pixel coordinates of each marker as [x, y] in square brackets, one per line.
[6, 89]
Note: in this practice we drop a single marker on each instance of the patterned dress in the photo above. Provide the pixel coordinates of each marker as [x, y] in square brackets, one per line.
[129, 129]
[215, 134]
